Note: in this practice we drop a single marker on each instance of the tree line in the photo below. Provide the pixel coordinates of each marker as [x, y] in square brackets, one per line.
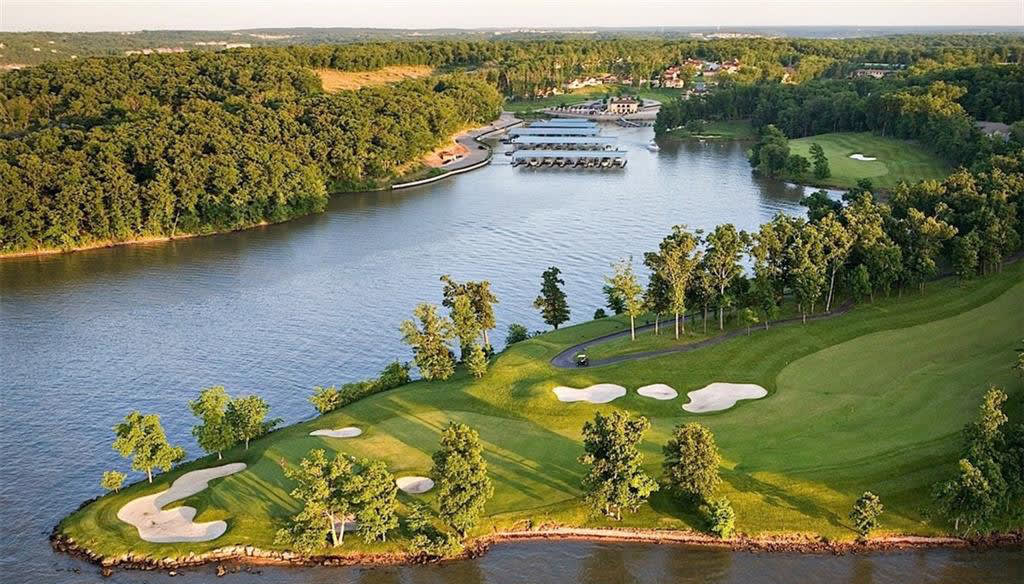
[116, 149]
[935, 108]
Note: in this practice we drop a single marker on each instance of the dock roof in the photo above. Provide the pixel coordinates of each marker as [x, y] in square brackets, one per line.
[568, 154]
[565, 140]
[583, 131]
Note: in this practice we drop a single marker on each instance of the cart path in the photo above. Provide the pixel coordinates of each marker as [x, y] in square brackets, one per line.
[567, 358]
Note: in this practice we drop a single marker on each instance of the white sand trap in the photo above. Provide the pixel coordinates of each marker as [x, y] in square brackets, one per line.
[722, 396]
[414, 485]
[600, 393]
[346, 432]
[859, 156]
[175, 525]
[658, 391]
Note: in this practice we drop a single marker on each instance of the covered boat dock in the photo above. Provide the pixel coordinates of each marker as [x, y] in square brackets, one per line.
[570, 158]
[565, 142]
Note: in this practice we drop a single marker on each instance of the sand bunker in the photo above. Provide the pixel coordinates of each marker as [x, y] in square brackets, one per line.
[346, 432]
[414, 485]
[600, 393]
[860, 156]
[658, 391]
[175, 525]
[722, 396]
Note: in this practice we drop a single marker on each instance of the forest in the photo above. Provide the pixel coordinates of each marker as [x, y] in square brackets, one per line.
[123, 148]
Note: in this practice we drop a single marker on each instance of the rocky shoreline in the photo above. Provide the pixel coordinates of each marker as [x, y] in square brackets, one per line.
[247, 555]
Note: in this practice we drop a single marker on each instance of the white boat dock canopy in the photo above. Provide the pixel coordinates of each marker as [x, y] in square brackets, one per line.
[531, 131]
[567, 154]
[564, 123]
[557, 141]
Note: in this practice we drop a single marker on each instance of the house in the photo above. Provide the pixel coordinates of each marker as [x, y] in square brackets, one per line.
[876, 73]
[623, 105]
[672, 77]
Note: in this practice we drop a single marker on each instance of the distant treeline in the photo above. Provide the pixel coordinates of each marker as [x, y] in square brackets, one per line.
[936, 107]
[114, 149]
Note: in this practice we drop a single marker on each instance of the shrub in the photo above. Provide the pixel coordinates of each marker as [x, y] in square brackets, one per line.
[865, 513]
[426, 538]
[720, 517]
[394, 374]
[325, 399]
[516, 334]
[112, 480]
[600, 313]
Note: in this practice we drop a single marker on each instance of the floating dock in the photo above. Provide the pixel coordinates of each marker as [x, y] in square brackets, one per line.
[565, 142]
[570, 158]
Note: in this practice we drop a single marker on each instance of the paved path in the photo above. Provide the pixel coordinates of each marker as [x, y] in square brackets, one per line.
[567, 358]
[477, 152]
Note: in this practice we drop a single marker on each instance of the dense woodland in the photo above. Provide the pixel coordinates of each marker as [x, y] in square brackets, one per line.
[116, 149]
[109, 149]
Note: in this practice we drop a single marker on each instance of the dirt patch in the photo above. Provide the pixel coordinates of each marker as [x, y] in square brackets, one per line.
[333, 80]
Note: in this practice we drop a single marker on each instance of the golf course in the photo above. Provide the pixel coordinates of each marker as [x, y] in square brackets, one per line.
[870, 399]
[885, 161]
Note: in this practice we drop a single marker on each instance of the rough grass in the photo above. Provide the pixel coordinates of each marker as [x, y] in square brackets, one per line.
[872, 400]
[333, 80]
[898, 160]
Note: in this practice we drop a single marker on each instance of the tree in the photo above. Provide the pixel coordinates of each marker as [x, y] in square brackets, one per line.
[720, 517]
[112, 480]
[967, 498]
[483, 300]
[517, 333]
[771, 153]
[327, 490]
[552, 303]
[983, 438]
[600, 313]
[142, 438]
[749, 316]
[836, 242]
[375, 501]
[676, 263]
[616, 479]
[860, 283]
[820, 161]
[623, 281]
[247, 416]
[325, 399]
[656, 296]
[965, 256]
[691, 461]
[613, 301]
[460, 472]
[807, 268]
[464, 323]
[865, 513]
[429, 342]
[722, 258]
[214, 433]
[797, 166]
[476, 361]
[819, 205]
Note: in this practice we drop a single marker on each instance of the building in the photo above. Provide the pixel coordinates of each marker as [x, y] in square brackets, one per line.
[876, 73]
[623, 105]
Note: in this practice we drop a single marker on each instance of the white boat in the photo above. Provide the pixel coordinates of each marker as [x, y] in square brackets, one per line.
[653, 146]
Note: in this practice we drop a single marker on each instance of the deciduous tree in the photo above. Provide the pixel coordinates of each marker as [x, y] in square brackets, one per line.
[460, 473]
[429, 342]
[722, 257]
[247, 416]
[623, 282]
[615, 480]
[214, 433]
[141, 438]
[691, 461]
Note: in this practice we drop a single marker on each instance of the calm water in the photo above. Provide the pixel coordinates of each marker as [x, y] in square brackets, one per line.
[86, 337]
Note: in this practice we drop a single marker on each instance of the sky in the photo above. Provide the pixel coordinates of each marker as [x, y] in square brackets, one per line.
[108, 15]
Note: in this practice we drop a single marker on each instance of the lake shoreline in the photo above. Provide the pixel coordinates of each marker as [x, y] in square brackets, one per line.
[473, 135]
[247, 555]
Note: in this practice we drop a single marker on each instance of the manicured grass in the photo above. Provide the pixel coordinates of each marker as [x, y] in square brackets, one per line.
[333, 80]
[588, 93]
[897, 160]
[872, 400]
[720, 130]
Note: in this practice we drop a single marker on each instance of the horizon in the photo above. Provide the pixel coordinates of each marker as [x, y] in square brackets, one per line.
[64, 16]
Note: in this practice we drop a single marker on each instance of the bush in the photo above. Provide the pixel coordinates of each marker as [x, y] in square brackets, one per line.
[328, 399]
[516, 333]
[720, 517]
[325, 399]
[427, 539]
[112, 480]
[394, 374]
[600, 313]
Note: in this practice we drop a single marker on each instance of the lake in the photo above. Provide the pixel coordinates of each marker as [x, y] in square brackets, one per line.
[87, 337]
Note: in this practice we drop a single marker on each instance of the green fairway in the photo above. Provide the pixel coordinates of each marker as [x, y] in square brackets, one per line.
[871, 400]
[720, 130]
[897, 160]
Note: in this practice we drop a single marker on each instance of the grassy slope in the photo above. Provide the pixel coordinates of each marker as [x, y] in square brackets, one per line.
[334, 80]
[720, 130]
[587, 93]
[898, 160]
[871, 400]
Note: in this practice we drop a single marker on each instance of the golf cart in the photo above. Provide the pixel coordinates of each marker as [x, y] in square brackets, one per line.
[582, 360]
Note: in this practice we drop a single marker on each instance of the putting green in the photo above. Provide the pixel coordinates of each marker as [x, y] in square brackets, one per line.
[872, 400]
[896, 160]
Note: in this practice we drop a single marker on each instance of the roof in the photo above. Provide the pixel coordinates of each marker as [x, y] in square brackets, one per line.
[565, 140]
[569, 154]
[584, 131]
[564, 123]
